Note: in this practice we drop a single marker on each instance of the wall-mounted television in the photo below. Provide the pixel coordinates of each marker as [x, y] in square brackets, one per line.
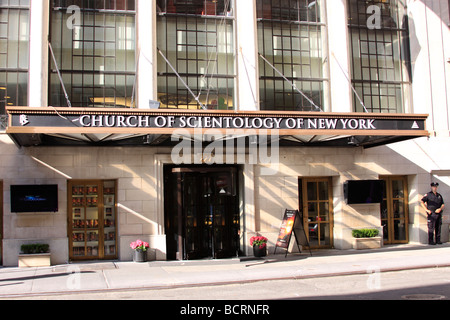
[364, 191]
[34, 198]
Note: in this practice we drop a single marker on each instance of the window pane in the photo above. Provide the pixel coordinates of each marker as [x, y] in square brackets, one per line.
[323, 190]
[325, 234]
[312, 191]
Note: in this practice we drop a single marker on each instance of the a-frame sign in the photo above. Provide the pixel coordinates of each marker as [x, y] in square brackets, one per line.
[292, 224]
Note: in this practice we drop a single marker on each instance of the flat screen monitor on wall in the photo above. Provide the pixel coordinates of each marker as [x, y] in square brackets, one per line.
[364, 191]
[34, 198]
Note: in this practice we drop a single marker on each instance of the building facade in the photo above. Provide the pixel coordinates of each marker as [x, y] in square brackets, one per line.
[194, 125]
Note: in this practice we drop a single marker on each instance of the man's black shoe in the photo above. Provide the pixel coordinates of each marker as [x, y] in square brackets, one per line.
[432, 243]
[439, 242]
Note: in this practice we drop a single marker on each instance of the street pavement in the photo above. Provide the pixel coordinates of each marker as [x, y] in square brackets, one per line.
[111, 276]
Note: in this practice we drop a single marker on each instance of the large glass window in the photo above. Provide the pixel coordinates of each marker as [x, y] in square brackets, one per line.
[380, 55]
[292, 37]
[95, 49]
[197, 40]
[14, 48]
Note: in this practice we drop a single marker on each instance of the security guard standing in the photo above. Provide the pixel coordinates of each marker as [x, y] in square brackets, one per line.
[433, 203]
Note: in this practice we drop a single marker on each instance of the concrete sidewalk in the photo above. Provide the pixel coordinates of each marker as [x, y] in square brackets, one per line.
[112, 276]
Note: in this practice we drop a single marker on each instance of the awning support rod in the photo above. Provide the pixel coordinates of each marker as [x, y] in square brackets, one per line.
[59, 76]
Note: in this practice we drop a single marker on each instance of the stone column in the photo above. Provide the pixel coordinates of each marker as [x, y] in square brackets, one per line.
[146, 53]
[247, 60]
[39, 54]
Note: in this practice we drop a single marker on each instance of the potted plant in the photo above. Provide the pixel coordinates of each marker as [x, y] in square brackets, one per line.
[34, 255]
[259, 245]
[366, 239]
[140, 250]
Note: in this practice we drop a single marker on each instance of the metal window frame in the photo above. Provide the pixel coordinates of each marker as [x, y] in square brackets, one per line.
[87, 85]
[312, 24]
[375, 38]
[16, 70]
[182, 99]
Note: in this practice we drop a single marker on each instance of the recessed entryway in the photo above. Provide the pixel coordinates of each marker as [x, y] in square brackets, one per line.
[202, 218]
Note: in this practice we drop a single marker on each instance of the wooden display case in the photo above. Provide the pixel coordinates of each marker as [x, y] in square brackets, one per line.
[92, 219]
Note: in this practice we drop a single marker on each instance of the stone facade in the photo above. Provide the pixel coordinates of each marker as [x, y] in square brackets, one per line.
[139, 170]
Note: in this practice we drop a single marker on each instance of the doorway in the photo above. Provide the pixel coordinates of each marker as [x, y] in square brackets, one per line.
[316, 203]
[394, 210]
[202, 216]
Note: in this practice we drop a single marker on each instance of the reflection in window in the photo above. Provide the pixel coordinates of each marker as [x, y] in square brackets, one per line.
[14, 38]
[96, 56]
[379, 50]
[291, 36]
[197, 38]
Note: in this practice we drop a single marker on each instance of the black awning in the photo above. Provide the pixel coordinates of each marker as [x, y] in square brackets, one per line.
[134, 127]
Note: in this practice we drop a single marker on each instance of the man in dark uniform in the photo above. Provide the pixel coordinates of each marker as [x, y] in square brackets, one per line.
[433, 203]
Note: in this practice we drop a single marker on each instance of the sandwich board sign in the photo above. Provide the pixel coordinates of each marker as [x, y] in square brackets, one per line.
[292, 224]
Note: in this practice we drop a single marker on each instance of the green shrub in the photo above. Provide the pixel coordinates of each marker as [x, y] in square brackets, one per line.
[35, 248]
[365, 233]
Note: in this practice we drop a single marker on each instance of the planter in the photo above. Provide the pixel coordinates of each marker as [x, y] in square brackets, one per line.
[367, 243]
[34, 260]
[140, 256]
[259, 252]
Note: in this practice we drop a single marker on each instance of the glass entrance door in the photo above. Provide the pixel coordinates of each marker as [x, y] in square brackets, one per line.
[316, 200]
[394, 210]
[207, 211]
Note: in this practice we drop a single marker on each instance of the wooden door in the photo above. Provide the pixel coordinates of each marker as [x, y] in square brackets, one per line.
[316, 201]
[394, 210]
